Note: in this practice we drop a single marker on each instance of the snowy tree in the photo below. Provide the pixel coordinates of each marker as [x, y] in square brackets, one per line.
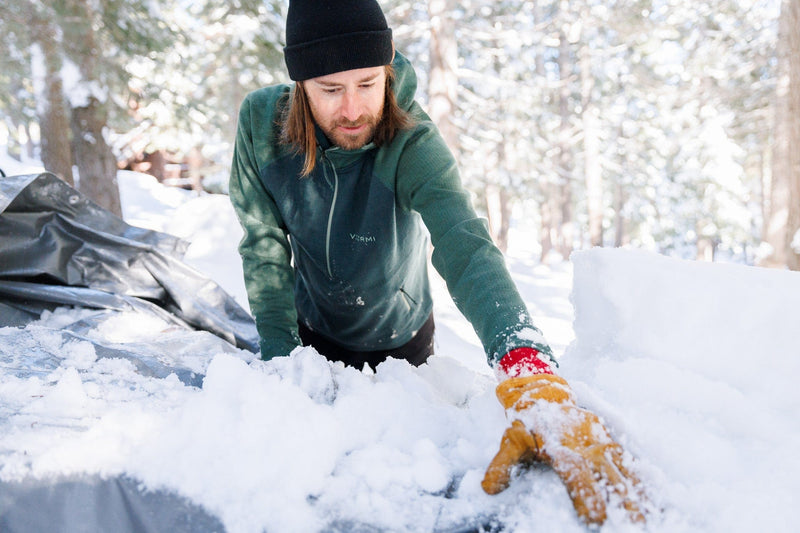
[443, 77]
[81, 49]
[632, 122]
[643, 111]
[188, 99]
[31, 39]
[99, 41]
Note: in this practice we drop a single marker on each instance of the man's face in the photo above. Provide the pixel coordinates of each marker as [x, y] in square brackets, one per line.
[348, 105]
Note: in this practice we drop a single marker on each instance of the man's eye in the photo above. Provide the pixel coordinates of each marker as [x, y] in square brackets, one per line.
[367, 85]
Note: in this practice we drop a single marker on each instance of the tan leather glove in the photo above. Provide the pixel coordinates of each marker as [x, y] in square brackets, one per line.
[548, 426]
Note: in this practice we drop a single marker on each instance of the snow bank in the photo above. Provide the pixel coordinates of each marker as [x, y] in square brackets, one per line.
[696, 364]
[12, 167]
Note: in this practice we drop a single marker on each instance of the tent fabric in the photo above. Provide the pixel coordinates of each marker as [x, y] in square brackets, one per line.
[58, 248]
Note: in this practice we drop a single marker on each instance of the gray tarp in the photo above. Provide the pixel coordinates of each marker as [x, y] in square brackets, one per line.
[95, 505]
[57, 248]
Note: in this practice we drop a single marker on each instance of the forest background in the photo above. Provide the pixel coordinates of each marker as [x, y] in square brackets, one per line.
[668, 125]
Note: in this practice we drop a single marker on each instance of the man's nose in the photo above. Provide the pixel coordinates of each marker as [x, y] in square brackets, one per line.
[351, 106]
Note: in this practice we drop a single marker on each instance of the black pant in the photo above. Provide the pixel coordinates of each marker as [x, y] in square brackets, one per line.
[416, 351]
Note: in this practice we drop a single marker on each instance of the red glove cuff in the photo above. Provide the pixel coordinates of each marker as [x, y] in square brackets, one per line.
[523, 362]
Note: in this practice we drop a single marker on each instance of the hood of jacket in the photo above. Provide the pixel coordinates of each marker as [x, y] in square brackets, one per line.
[405, 82]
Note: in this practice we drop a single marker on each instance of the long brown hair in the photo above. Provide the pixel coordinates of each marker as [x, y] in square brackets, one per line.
[297, 122]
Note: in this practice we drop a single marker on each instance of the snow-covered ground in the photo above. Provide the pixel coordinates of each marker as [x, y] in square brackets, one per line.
[693, 366]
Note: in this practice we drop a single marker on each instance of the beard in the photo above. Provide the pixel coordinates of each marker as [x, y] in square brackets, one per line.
[348, 141]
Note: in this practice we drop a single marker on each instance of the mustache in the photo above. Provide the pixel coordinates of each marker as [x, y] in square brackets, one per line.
[360, 121]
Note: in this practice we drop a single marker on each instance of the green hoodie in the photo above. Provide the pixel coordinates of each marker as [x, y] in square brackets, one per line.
[344, 249]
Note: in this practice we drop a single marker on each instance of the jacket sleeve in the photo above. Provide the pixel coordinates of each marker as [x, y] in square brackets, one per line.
[265, 250]
[464, 253]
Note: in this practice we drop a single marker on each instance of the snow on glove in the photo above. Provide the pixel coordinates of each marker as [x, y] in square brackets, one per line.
[548, 426]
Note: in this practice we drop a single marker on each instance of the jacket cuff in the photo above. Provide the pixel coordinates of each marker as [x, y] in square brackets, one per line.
[523, 361]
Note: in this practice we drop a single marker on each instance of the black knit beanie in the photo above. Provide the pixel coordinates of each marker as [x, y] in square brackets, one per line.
[327, 36]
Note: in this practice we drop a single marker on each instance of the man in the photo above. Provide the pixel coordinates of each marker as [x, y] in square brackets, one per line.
[336, 180]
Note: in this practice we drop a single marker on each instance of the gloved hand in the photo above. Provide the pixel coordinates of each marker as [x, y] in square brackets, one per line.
[548, 426]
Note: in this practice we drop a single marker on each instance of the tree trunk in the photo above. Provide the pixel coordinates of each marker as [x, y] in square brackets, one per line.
[792, 124]
[546, 231]
[97, 166]
[505, 220]
[783, 196]
[591, 146]
[498, 211]
[706, 243]
[54, 126]
[546, 213]
[443, 79]
[30, 146]
[620, 237]
[564, 163]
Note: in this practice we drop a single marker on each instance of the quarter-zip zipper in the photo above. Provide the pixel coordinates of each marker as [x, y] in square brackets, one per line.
[330, 214]
[407, 299]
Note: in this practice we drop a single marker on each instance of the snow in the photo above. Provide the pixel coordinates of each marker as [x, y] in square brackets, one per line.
[12, 167]
[691, 365]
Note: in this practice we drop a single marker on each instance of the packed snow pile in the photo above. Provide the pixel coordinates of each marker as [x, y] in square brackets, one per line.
[697, 363]
[691, 365]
